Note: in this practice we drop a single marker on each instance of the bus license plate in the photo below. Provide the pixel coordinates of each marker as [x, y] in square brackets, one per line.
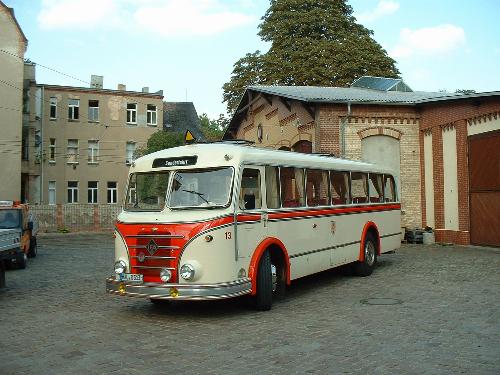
[129, 277]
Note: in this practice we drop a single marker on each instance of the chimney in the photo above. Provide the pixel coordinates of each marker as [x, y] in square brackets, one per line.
[122, 87]
[145, 89]
[96, 81]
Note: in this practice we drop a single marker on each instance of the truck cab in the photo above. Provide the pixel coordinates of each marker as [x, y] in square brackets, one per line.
[18, 217]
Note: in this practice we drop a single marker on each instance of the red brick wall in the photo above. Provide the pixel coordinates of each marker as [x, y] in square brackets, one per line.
[433, 117]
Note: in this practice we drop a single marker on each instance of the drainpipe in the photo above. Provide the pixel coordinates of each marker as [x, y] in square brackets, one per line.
[342, 129]
[41, 144]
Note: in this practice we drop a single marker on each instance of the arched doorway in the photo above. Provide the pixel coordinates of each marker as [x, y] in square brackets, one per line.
[304, 147]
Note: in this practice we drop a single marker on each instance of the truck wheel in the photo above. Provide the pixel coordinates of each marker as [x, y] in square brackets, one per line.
[33, 248]
[2, 274]
[264, 296]
[365, 268]
[21, 261]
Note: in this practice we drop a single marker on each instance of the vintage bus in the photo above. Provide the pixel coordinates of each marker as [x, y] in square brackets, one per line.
[221, 220]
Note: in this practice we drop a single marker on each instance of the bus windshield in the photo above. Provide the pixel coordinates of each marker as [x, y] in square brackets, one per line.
[201, 188]
[147, 191]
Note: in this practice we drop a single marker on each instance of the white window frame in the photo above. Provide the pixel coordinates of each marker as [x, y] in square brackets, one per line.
[93, 112]
[73, 114]
[53, 105]
[151, 115]
[132, 114]
[52, 192]
[72, 157]
[112, 193]
[52, 151]
[129, 156]
[94, 192]
[74, 192]
[93, 151]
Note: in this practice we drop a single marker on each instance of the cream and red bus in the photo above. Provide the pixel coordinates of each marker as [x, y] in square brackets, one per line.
[221, 220]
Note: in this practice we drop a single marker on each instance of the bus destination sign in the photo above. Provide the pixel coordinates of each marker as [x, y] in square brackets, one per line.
[180, 161]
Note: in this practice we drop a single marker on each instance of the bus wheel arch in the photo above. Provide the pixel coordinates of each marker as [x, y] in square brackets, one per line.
[279, 258]
[369, 249]
[369, 230]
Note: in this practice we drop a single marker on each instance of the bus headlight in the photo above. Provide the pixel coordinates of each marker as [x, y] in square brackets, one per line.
[165, 275]
[187, 272]
[120, 266]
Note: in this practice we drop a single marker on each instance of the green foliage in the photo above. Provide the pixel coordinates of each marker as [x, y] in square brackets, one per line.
[213, 130]
[160, 141]
[313, 42]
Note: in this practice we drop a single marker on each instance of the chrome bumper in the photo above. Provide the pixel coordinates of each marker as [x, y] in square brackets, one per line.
[180, 291]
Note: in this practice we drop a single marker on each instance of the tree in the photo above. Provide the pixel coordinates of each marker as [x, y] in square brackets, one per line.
[213, 130]
[160, 141]
[465, 91]
[313, 42]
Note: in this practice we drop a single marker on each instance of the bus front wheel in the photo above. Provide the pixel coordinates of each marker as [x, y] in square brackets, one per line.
[365, 267]
[264, 296]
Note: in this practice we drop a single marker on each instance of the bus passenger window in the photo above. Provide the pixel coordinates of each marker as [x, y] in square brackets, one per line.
[317, 188]
[340, 187]
[250, 197]
[359, 187]
[272, 187]
[389, 188]
[376, 188]
[292, 187]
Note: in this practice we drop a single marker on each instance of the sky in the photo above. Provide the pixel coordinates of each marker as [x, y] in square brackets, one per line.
[187, 48]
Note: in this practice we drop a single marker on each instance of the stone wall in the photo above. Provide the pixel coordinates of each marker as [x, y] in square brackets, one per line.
[76, 217]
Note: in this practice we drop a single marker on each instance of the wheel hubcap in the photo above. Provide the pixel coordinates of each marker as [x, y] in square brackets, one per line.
[369, 253]
[274, 277]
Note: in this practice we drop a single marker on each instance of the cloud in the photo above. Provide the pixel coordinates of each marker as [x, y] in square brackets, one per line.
[189, 17]
[384, 8]
[437, 40]
[162, 17]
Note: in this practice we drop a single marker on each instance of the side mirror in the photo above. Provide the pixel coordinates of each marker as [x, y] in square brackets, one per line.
[30, 225]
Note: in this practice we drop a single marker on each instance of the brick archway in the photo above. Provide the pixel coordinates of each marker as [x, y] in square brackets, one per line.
[380, 130]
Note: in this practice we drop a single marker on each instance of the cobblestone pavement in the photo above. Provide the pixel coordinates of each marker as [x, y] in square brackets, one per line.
[55, 318]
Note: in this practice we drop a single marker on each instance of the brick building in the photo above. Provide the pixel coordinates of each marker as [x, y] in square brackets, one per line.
[383, 121]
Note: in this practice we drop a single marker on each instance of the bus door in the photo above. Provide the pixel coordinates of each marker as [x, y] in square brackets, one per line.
[252, 217]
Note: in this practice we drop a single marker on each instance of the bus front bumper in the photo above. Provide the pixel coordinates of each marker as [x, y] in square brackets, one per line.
[198, 292]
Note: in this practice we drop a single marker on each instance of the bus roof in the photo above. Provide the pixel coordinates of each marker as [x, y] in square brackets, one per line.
[227, 154]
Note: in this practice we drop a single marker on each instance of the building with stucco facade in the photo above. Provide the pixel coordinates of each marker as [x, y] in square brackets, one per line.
[13, 45]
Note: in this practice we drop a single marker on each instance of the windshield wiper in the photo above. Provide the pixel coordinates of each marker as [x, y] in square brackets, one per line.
[201, 195]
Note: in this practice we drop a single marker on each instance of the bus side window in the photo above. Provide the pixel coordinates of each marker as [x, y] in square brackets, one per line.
[376, 187]
[272, 187]
[340, 187]
[317, 188]
[389, 188]
[292, 187]
[359, 187]
[250, 196]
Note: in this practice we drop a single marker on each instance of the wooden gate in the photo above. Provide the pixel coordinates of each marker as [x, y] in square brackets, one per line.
[484, 187]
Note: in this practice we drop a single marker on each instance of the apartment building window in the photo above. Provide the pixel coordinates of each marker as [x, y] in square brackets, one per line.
[93, 152]
[74, 109]
[131, 193]
[52, 151]
[52, 192]
[72, 151]
[112, 191]
[92, 192]
[151, 114]
[129, 158]
[53, 108]
[93, 110]
[132, 113]
[72, 191]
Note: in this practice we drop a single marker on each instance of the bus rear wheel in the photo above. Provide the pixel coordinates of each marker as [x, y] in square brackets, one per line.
[365, 267]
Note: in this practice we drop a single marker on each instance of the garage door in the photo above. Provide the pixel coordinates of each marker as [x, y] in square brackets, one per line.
[484, 183]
